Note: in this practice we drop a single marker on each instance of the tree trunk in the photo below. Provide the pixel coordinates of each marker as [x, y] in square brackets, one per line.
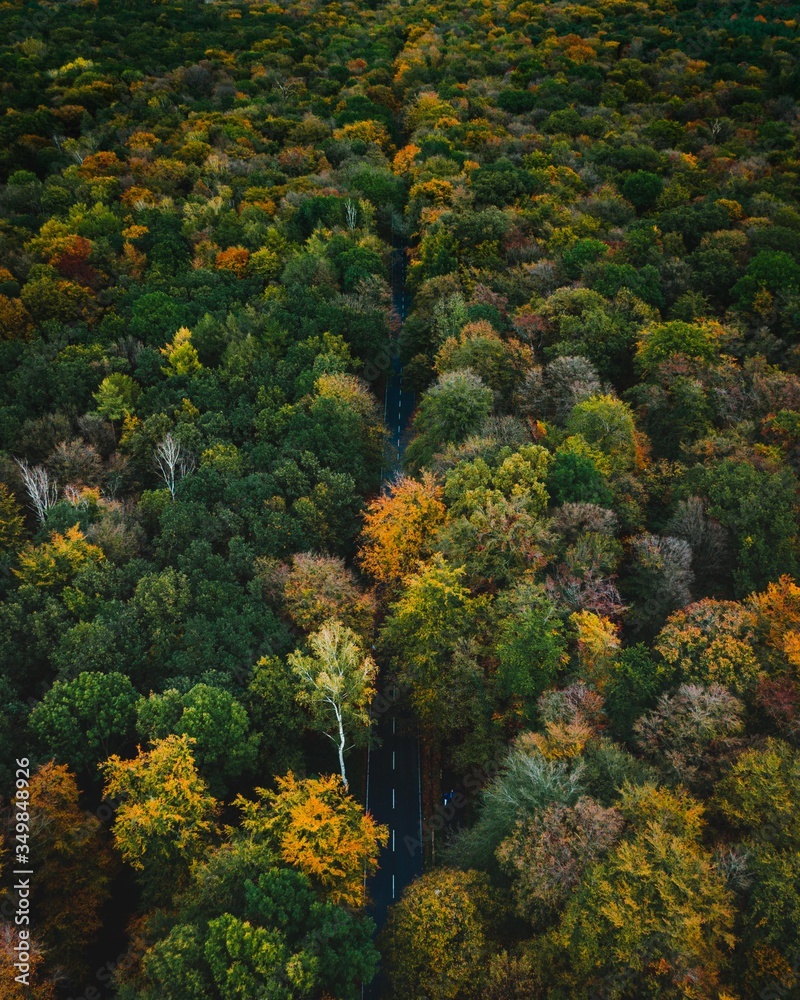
[341, 753]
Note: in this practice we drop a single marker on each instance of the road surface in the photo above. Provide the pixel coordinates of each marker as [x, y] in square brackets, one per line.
[398, 402]
[394, 799]
[393, 786]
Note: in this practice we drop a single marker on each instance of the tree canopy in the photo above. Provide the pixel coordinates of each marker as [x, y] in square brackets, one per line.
[440, 353]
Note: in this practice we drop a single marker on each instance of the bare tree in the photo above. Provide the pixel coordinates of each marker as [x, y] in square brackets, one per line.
[351, 213]
[550, 393]
[708, 539]
[173, 462]
[41, 488]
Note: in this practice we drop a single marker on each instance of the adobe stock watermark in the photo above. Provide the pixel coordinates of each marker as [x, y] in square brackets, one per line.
[22, 871]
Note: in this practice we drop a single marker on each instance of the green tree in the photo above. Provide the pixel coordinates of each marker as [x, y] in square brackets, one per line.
[531, 649]
[428, 634]
[159, 607]
[760, 798]
[12, 525]
[575, 478]
[243, 958]
[422, 630]
[276, 938]
[581, 253]
[437, 937]
[761, 794]
[702, 341]
[340, 424]
[85, 720]
[758, 506]
[271, 703]
[334, 943]
[607, 424]
[223, 745]
[438, 254]
[642, 188]
[116, 396]
[770, 270]
[175, 968]
[674, 406]
[454, 408]
[155, 316]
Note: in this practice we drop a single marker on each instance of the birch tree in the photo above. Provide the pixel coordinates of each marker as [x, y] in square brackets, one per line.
[40, 486]
[172, 461]
[337, 684]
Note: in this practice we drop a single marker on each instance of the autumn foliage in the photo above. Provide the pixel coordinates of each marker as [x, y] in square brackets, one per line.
[433, 353]
[398, 528]
[318, 829]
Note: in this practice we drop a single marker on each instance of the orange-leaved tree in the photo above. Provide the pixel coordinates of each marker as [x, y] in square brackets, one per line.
[777, 611]
[399, 528]
[319, 829]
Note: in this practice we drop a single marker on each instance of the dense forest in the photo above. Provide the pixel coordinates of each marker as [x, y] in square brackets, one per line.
[577, 572]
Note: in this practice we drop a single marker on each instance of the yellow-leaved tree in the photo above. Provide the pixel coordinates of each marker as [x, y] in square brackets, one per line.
[316, 827]
[54, 563]
[181, 354]
[165, 816]
[436, 941]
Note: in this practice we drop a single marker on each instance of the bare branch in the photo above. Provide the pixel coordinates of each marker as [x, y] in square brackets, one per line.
[172, 461]
[41, 488]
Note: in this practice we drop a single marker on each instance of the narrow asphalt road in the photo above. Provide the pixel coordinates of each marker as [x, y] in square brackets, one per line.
[398, 402]
[393, 798]
[393, 793]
